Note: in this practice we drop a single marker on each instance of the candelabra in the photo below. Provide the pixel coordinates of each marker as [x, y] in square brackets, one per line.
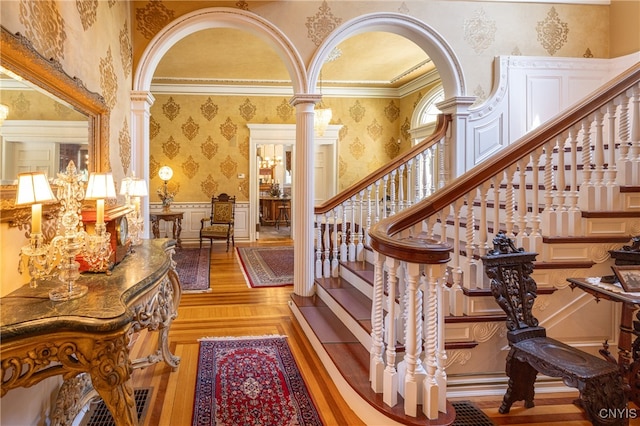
[133, 189]
[71, 240]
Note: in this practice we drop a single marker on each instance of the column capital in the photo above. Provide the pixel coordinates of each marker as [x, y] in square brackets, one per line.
[305, 98]
[142, 96]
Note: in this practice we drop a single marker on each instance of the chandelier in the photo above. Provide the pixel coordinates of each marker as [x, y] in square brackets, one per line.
[71, 240]
[323, 114]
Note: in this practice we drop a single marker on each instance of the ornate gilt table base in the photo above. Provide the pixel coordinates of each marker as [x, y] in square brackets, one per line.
[104, 357]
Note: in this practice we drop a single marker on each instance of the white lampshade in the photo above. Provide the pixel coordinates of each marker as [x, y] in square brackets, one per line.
[165, 173]
[33, 187]
[100, 186]
[138, 188]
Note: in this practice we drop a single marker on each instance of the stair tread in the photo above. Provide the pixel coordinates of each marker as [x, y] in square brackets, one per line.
[352, 360]
[325, 324]
[350, 298]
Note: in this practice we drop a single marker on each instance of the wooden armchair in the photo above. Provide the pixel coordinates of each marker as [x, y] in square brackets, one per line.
[219, 225]
[600, 382]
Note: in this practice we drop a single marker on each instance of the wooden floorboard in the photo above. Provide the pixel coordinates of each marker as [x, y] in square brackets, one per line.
[234, 309]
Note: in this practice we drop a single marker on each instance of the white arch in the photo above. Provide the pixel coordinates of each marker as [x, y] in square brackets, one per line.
[219, 17]
[409, 27]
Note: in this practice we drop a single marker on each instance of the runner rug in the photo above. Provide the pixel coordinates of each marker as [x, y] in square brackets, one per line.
[250, 381]
[267, 266]
[192, 265]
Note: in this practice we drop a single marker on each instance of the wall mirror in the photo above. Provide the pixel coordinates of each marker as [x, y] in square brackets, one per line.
[86, 140]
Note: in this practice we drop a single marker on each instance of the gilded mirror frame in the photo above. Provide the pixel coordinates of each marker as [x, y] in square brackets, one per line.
[17, 54]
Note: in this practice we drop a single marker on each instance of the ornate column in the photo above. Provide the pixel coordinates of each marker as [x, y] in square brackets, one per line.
[141, 102]
[302, 197]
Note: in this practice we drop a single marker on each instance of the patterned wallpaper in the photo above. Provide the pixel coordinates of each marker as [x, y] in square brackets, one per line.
[478, 31]
[33, 105]
[205, 139]
[91, 40]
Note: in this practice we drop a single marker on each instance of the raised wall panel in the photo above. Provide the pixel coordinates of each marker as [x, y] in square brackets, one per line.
[487, 140]
[606, 227]
[544, 99]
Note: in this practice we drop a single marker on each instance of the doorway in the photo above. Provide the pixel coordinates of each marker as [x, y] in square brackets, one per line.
[275, 169]
[282, 138]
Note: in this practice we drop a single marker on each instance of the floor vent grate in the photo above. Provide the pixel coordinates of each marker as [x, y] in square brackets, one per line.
[99, 415]
[467, 414]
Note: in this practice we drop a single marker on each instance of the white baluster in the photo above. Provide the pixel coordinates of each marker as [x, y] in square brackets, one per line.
[367, 239]
[401, 196]
[549, 214]
[470, 243]
[587, 194]
[318, 246]
[457, 295]
[377, 201]
[562, 215]
[575, 218]
[414, 375]
[431, 391]
[345, 233]
[611, 144]
[438, 271]
[326, 264]
[360, 245]
[496, 181]
[352, 231]
[335, 266]
[393, 191]
[410, 173]
[386, 208]
[624, 166]
[634, 150]
[536, 234]
[376, 362]
[509, 205]
[390, 394]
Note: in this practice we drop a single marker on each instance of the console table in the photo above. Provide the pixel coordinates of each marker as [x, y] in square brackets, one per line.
[629, 340]
[167, 216]
[91, 334]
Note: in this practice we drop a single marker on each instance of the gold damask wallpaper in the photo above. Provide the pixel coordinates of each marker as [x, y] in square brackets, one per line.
[205, 139]
[92, 42]
[478, 31]
[33, 105]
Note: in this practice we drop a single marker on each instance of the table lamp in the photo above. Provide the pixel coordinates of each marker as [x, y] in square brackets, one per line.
[34, 189]
[99, 187]
[165, 173]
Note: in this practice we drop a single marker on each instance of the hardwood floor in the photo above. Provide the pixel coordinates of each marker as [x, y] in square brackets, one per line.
[234, 309]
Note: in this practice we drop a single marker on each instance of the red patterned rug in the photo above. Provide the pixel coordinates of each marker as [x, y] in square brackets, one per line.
[246, 381]
[192, 265]
[267, 266]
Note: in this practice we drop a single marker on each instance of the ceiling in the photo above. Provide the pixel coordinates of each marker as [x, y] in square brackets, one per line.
[235, 57]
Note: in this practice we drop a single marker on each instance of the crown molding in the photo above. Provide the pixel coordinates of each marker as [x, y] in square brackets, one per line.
[339, 89]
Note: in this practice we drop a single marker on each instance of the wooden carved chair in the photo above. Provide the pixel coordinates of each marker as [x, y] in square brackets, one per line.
[219, 225]
[600, 382]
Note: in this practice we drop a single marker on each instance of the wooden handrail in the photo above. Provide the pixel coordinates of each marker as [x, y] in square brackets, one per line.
[442, 125]
[383, 233]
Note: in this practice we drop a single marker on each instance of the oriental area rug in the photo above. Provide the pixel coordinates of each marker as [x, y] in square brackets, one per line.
[266, 266]
[250, 381]
[192, 265]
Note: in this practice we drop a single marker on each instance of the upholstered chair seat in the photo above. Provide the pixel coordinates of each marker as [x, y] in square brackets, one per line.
[219, 225]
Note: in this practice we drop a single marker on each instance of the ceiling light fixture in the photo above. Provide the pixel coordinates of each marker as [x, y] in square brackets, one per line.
[323, 114]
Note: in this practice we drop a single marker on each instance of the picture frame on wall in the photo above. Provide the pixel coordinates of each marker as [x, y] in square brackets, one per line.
[629, 277]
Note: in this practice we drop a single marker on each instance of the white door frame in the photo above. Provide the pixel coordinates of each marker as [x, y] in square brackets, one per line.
[282, 134]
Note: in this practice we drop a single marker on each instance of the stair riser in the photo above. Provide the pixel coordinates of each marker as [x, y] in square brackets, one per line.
[352, 325]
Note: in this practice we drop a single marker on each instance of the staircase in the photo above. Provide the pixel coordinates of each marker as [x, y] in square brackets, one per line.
[403, 315]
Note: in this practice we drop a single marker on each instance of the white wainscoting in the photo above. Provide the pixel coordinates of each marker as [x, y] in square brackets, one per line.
[193, 213]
